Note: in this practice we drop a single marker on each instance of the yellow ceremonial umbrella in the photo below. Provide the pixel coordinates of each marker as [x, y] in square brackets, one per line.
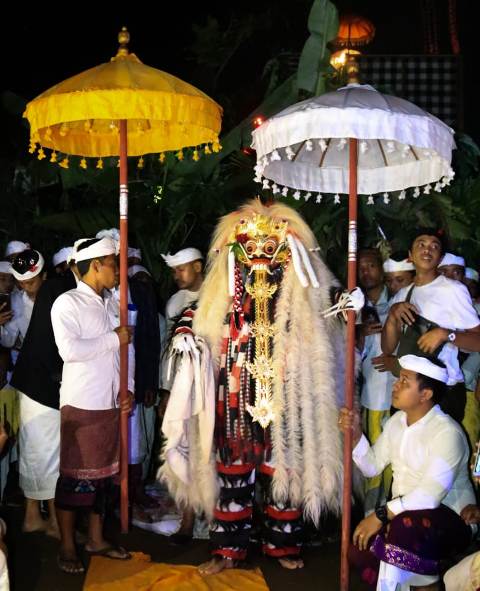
[122, 108]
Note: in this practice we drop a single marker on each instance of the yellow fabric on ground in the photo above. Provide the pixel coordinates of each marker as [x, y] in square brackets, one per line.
[471, 420]
[378, 487]
[140, 574]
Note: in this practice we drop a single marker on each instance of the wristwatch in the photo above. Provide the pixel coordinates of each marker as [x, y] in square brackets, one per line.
[382, 514]
[452, 336]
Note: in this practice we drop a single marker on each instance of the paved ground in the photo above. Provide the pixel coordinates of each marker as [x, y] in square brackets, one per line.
[33, 566]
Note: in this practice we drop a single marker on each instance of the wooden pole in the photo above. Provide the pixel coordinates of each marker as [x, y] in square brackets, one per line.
[350, 364]
[123, 206]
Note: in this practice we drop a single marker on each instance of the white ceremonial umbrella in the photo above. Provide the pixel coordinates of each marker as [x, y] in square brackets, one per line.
[354, 140]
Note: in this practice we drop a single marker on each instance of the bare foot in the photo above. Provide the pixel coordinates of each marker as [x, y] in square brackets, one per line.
[216, 565]
[29, 527]
[291, 563]
[52, 530]
[69, 563]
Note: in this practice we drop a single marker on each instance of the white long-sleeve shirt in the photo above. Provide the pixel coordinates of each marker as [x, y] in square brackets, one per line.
[13, 332]
[429, 461]
[82, 325]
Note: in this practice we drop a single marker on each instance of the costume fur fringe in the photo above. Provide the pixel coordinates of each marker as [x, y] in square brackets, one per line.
[308, 352]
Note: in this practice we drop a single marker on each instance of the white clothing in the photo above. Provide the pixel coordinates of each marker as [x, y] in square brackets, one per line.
[460, 577]
[113, 309]
[429, 461]
[177, 303]
[447, 303]
[39, 444]
[392, 578]
[89, 349]
[13, 332]
[193, 394]
[377, 386]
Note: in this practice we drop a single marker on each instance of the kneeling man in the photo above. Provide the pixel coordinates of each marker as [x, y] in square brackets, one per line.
[403, 543]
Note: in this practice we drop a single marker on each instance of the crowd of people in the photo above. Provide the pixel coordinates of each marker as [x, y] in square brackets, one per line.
[415, 427]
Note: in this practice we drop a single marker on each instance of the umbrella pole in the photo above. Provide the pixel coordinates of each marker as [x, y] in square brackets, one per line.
[123, 206]
[350, 364]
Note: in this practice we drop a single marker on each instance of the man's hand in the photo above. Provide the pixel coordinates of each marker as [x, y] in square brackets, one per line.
[431, 340]
[125, 334]
[367, 528]
[470, 514]
[149, 398]
[385, 363]
[403, 313]
[349, 420]
[5, 316]
[369, 329]
[126, 406]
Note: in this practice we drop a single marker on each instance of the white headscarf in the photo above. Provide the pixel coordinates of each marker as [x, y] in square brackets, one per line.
[102, 248]
[393, 266]
[134, 269]
[452, 259]
[471, 274]
[16, 247]
[182, 257]
[62, 256]
[424, 366]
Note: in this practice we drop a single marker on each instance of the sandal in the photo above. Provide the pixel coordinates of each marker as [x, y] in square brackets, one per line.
[71, 566]
[109, 552]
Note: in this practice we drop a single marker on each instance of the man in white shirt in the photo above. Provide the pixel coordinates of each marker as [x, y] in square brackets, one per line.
[428, 453]
[376, 393]
[187, 270]
[446, 305]
[89, 400]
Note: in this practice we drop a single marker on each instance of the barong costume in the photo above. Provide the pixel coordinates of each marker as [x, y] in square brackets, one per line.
[258, 384]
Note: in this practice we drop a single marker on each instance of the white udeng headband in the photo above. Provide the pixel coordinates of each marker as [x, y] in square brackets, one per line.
[62, 256]
[16, 247]
[32, 272]
[134, 269]
[182, 257]
[469, 274]
[424, 366]
[102, 248]
[393, 266]
[452, 259]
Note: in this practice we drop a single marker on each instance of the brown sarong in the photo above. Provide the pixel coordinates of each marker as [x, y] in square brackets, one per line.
[89, 442]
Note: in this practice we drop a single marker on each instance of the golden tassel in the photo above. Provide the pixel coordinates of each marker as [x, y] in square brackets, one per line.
[99, 164]
[83, 163]
[64, 163]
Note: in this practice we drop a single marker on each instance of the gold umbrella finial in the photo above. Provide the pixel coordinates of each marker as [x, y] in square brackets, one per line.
[123, 39]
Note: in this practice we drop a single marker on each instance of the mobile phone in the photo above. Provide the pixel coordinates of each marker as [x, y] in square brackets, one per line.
[5, 299]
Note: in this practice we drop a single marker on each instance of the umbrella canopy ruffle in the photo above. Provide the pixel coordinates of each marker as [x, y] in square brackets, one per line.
[80, 115]
[305, 148]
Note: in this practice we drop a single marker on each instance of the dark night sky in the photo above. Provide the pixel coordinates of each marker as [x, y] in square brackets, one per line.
[58, 40]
